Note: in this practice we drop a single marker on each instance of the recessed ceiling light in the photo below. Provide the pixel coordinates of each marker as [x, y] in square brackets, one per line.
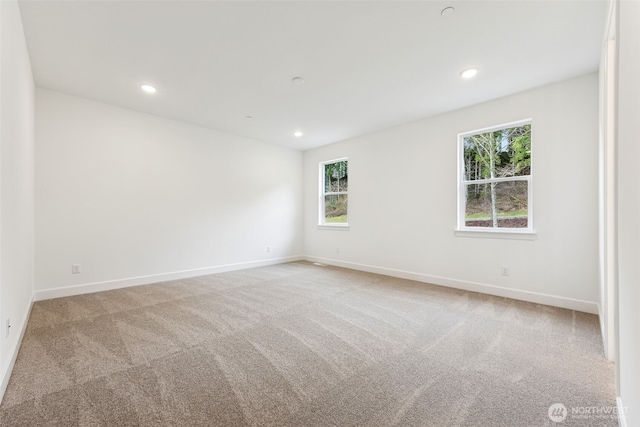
[468, 73]
[148, 88]
[297, 134]
[297, 80]
[447, 11]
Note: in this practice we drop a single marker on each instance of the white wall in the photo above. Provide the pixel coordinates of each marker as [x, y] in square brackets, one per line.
[628, 362]
[16, 184]
[402, 201]
[135, 198]
[607, 186]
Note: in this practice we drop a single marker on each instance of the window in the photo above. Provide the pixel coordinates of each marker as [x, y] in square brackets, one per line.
[494, 191]
[334, 186]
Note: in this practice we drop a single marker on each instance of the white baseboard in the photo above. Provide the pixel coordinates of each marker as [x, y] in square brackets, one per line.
[622, 416]
[87, 288]
[13, 352]
[601, 319]
[603, 332]
[607, 344]
[535, 297]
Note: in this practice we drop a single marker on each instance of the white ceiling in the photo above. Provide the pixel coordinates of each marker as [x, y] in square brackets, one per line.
[367, 65]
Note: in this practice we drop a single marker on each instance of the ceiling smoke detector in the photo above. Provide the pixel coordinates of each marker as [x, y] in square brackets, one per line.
[447, 11]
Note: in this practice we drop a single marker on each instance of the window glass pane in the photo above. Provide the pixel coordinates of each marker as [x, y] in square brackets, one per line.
[498, 154]
[502, 204]
[336, 177]
[335, 208]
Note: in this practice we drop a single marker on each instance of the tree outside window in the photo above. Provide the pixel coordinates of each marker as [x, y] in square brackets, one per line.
[495, 183]
[334, 192]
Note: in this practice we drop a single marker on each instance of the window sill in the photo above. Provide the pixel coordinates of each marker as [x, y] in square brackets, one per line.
[495, 234]
[341, 227]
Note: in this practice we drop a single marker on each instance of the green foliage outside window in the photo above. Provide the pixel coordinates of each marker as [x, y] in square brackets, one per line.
[490, 158]
[336, 186]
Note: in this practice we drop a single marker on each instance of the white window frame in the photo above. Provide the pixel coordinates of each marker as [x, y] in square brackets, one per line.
[321, 217]
[517, 233]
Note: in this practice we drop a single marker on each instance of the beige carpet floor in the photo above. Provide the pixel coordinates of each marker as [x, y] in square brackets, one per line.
[305, 345]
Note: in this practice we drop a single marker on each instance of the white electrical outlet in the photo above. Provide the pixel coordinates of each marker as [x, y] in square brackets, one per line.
[505, 271]
[268, 248]
[337, 250]
[75, 269]
[8, 327]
